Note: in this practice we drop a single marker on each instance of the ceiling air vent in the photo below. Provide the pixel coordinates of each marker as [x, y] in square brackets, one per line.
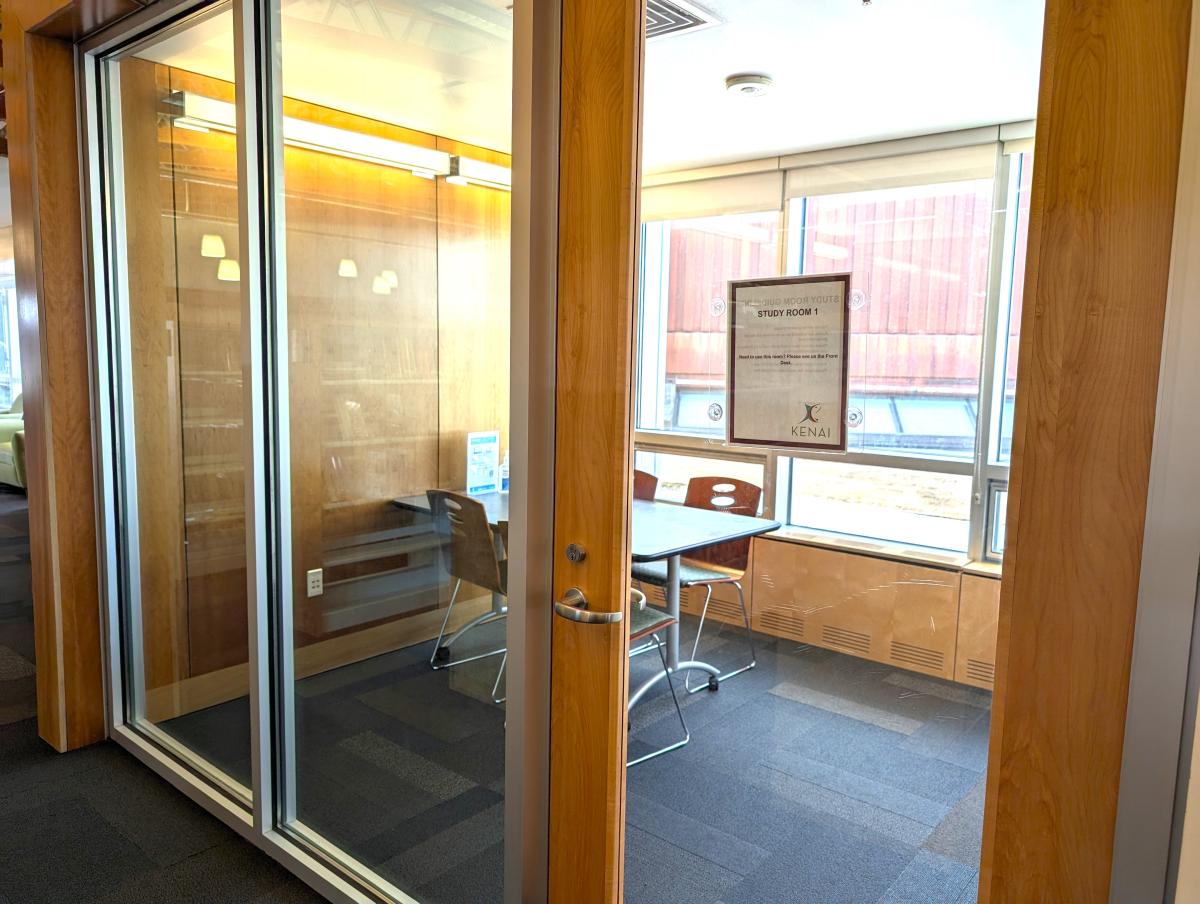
[672, 17]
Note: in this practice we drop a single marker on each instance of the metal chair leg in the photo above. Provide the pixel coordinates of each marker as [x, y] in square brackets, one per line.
[715, 681]
[687, 736]
[440, 652]
[687, 679]
[499, 675]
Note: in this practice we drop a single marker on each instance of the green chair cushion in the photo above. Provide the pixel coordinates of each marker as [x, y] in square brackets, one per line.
[690, 573]
[646, 621]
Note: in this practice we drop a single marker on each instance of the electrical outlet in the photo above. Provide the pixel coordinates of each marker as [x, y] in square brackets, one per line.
[316, 582]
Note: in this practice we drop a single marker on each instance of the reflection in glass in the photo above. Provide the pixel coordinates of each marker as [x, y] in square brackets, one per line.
[178, 188]
[396, 224]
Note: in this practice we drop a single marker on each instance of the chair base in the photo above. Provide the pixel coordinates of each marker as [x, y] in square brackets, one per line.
[657, 643]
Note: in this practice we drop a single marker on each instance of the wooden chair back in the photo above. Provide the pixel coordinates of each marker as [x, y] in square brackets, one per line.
[724, 494]
[469, 546]
[645, 485]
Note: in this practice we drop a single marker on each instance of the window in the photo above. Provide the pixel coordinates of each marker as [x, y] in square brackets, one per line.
[915, 508]
[1013, 293]
[10, 352]
[997, 520]
[918, 259]
[686, 267]
[675, 470]
[936, 292]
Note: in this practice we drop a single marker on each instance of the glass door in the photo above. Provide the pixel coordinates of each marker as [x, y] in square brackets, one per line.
[351, 414]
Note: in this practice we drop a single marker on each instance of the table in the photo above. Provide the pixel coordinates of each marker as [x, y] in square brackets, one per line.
[661, 530]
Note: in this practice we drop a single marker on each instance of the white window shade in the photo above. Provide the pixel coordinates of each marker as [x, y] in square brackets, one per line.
[745, 193]
[927, 168]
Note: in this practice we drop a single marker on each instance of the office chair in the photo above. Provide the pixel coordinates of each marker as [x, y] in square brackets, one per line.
[646, 622]
[645, 485]
[471, 554]
[724, 563]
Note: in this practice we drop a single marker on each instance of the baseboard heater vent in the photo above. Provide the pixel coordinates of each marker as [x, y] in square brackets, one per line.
[921, 657]
[847, 640]
[782, 623]
[981, 671]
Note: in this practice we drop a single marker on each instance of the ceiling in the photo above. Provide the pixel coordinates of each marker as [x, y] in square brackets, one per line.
[843, 72]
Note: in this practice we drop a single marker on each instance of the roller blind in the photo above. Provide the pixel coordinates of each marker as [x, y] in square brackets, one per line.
[744, 193]
[927, 168]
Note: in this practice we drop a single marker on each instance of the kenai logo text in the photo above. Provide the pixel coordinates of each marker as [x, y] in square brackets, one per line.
[802, 430]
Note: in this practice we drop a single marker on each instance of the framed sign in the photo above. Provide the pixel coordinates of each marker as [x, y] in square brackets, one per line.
[789, 362]
[483, 462]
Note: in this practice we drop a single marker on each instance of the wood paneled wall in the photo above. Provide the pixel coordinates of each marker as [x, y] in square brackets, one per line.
[382, 387]
[39, 79]
[1101, 220]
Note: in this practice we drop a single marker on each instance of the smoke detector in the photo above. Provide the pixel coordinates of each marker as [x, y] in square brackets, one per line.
[748, 84]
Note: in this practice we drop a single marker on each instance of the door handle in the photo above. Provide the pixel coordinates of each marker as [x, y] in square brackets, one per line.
[574, 606]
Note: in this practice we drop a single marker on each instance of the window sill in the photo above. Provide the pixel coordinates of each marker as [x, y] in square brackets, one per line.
[881, 549]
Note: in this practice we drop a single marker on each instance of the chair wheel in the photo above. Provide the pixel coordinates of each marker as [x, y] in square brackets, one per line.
[714, 683]
[442, 654]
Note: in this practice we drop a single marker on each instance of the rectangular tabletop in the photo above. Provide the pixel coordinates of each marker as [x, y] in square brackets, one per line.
[660, 529]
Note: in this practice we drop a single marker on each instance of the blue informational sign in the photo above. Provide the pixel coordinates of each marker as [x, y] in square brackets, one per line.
[483, 462]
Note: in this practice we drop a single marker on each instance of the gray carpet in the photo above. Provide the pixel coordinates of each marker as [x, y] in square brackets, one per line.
[816, 777]
[95, 826]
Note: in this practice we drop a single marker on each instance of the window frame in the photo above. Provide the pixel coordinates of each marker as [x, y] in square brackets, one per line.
[985, 467]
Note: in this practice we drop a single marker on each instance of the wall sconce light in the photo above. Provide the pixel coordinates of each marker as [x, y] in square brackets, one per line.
[391, 278]
[229, 271]
[212, 246]
[347, 268]
[380, 286]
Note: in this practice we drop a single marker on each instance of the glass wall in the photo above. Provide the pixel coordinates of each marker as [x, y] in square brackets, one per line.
[397, 238]
[176, 233]
[365, 318]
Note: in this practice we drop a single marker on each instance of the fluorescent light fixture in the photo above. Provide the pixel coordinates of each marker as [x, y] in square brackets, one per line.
[201, 112]
[229, 271]
[380, 286]
[391, 278]
[466, 171]
[347, 268]
[212, 246]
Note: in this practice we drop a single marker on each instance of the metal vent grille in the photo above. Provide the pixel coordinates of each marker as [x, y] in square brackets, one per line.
[981, 671]
[922, 657]
[782, 623]
[670, 17]
[853, 641]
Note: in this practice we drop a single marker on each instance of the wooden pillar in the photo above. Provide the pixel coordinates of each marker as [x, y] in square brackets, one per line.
[39, 78]
[1104, 178]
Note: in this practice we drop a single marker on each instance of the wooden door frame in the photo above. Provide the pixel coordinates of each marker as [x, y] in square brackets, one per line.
[1101, 221]
[1057, 736]
[599, 193]
[1111, 95]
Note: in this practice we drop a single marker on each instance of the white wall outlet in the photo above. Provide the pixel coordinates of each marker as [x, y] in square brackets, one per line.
[316, 582]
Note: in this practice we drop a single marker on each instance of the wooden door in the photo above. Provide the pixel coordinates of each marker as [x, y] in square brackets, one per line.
[599, 154]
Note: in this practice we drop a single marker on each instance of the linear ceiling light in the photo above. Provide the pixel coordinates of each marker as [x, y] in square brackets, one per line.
[207, 113]
[466, 171]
